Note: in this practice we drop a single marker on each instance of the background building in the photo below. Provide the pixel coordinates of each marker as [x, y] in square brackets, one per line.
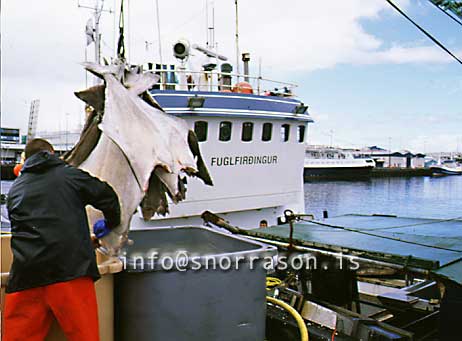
[388, 159]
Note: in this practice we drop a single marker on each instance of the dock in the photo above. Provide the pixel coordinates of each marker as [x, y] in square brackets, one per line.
[400, 172]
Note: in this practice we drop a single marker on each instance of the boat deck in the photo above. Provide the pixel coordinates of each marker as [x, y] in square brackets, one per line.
[426, 244]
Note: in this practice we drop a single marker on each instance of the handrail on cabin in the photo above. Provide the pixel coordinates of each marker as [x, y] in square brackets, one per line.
[170, 79]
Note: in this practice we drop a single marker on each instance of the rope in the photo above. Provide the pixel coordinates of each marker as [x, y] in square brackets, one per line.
[436, 221]
[419, 224]
[379, 236]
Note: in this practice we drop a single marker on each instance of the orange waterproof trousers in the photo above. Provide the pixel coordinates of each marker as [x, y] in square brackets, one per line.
[28, 314]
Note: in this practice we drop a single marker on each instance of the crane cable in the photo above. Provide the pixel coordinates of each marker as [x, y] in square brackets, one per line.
[423, 31]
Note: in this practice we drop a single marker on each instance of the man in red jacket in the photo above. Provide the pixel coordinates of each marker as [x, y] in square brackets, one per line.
[54, 264]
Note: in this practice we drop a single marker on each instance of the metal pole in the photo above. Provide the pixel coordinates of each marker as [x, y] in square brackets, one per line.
[162, 74]
[237, 40]
[129, 31]
[207, 23]
[340, 254]
[259, 76]
[86, 73]
[97, 41]
[389, 152]
[67, 130]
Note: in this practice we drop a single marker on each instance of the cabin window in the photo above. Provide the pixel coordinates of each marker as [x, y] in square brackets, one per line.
[285, 130]
[225, 131]
[301, 134]
[247, 131]
[267, 132]
[200, 128]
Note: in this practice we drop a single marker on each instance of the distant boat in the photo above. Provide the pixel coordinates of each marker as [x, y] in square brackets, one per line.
[448, 167]
[333, 163]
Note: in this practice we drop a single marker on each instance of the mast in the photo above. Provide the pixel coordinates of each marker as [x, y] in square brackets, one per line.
[237, 39]
[97, 34]
[210, 25]
[158, 32]
[93, 33]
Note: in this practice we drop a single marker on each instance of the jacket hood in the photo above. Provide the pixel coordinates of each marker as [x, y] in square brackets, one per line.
[41, 161]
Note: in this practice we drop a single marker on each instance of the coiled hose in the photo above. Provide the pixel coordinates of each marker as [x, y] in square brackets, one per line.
[272, 282]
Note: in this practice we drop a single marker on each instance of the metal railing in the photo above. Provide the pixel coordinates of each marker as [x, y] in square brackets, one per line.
[181, 79]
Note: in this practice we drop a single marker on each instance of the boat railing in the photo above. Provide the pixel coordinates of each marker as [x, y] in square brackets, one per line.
[178, 78]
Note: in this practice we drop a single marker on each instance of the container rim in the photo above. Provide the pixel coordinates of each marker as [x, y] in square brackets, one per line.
[202, 261]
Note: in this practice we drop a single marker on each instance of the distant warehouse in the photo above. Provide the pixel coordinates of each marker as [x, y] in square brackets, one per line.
[388, 159]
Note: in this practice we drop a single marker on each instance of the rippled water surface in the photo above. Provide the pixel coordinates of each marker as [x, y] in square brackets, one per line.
[425, 197]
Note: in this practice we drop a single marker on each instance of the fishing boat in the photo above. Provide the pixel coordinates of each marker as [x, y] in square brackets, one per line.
[251, 132]
[365, 277]
[335, 163]
[447, 167]
[252, 141]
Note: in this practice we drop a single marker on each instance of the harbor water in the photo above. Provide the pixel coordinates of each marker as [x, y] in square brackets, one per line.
[426, 197]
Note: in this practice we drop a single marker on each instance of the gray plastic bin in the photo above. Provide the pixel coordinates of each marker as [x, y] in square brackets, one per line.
[194, 294]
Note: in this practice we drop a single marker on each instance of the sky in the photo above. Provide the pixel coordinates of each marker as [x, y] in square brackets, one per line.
[368, 76]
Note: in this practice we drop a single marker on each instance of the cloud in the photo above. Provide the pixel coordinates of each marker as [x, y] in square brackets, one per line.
[404, 55]
[289, 35]
[431, 134]
[42, 46]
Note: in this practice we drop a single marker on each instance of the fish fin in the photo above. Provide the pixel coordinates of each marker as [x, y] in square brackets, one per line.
[93, 96]
[137, 83]
[116, 69]
[203, 172]
[87, 142]
[145, 96]
[155, 200]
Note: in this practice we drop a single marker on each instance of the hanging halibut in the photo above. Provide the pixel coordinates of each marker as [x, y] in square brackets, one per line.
[131, 143]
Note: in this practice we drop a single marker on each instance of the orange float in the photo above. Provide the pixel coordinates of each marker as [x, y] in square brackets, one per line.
[243, 87]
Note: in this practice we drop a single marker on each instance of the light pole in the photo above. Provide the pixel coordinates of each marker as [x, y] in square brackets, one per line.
[67, 130]
[389, 152]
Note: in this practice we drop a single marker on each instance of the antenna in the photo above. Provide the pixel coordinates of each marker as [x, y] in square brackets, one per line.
[210, 24]
[207, 23]
[212, 29]
[97, 11]
[158, 32]
[93, 33]
[237, 39]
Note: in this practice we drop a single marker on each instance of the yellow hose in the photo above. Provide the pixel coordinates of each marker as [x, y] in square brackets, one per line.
[272, 282]
[300, 322]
